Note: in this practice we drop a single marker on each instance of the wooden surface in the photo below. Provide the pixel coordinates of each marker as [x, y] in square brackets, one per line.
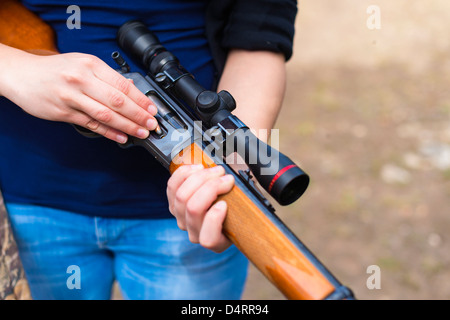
[22, 29]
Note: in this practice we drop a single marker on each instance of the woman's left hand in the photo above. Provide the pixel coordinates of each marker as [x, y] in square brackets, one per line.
[191, 192]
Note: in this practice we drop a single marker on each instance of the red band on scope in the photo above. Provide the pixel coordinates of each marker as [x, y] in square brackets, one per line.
[279, 174]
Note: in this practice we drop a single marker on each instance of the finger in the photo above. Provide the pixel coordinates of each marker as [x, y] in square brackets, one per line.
[119, 82]
[201, 201]
[179, 176]
[211, 234]
[191, 184]
[89, 123]
[122, 104]
[109, 117]
[175, 181]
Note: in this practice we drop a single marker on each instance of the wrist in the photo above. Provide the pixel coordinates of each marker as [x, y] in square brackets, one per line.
[11, 63]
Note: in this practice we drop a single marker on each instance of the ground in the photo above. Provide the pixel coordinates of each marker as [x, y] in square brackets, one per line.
[367, 114]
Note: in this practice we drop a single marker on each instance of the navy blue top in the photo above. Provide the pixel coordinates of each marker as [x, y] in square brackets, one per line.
[48, 163]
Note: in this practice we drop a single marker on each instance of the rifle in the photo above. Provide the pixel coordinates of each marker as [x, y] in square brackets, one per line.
[197, 127]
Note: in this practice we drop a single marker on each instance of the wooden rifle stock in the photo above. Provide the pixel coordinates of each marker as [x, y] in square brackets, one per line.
[22, 29]
[259, 235]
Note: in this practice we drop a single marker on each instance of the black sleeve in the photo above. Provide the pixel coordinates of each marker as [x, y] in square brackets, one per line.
[251, 25]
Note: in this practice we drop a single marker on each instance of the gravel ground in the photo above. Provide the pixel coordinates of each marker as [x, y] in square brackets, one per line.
[367, 115]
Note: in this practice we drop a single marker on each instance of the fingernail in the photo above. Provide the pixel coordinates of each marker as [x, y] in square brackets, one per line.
[142, 133]
[197, 166]
[152, 110]
[217, 169]
[227, 178]
[151, 124]
[221, 205]
[122, 138]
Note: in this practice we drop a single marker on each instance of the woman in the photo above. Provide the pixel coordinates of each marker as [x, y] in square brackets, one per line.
[88, 206]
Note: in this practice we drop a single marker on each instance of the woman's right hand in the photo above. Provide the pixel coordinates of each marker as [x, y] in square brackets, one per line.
[77, 88]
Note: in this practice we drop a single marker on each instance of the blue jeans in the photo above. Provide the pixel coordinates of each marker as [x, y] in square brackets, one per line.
[71, 256]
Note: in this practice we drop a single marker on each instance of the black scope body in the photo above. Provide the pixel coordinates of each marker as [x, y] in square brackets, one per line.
[275, 172]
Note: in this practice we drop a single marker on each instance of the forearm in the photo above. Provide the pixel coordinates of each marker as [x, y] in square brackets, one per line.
[257, 80]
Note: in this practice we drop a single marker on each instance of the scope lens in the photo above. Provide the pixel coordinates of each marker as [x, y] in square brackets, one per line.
[275, 172]
[290, 186]
[138, 40]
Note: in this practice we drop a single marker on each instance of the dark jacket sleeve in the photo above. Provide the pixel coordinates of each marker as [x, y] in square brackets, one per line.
[250, 25]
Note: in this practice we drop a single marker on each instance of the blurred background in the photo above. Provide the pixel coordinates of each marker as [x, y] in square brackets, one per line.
[367, 114]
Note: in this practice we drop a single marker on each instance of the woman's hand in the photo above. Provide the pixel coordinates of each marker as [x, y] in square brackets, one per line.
[191, 192]
[80, 89]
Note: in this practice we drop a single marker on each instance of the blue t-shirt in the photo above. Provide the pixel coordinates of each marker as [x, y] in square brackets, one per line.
[50, 164]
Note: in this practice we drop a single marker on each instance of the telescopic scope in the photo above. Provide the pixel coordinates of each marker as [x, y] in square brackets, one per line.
[280, 176]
